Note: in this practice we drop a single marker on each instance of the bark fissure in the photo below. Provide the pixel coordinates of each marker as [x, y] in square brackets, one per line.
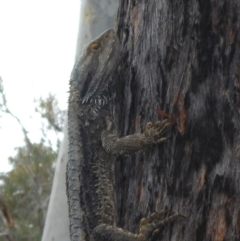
[182, 57]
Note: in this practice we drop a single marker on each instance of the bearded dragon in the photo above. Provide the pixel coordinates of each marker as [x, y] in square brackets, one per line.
[93, 143]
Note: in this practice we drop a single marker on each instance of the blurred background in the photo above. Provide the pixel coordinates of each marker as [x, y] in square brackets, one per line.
[39, 42]
[37, 49]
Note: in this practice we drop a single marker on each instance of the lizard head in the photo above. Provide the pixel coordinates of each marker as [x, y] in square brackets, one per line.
[92, 74]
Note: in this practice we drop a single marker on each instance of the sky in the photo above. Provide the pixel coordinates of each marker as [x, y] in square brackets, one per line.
[37, 50]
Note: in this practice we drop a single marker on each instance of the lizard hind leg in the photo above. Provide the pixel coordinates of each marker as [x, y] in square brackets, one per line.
[104, 232]
[152, 225]
[148, 228]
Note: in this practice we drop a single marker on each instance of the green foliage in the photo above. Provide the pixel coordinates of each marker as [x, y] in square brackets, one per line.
[26, 188]
[48, 109]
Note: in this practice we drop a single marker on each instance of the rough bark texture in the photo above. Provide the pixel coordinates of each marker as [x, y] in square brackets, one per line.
[181, 57]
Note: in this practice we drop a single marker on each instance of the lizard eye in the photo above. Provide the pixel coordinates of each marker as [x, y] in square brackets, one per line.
[95, 47]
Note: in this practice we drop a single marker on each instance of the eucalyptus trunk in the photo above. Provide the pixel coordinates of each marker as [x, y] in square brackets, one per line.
[181, 57]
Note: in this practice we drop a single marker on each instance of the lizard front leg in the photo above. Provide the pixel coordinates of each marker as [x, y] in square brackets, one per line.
[148, 228]
[153, 134]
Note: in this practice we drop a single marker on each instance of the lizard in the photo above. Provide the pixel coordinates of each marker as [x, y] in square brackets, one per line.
[93, 142]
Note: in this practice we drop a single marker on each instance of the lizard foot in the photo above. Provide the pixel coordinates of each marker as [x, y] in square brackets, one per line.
[152, 225]
[154, 131]
[148, 229]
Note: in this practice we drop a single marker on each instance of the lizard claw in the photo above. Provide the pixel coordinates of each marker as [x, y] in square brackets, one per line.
[155, 130]
[155, 223]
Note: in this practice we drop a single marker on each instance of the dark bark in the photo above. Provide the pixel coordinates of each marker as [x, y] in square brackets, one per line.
[181, 57]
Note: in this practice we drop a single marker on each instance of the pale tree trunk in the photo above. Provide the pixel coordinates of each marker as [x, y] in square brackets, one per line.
[95, 17]
[181, 57]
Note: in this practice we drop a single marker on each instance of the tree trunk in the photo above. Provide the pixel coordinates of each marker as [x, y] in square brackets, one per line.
[181, 57]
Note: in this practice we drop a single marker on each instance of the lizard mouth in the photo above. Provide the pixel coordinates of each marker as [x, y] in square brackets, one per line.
[93, 74]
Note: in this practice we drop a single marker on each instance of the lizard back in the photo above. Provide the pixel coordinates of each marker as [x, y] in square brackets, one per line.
[90, 168]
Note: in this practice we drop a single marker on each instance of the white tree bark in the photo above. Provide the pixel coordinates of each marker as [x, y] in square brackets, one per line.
[56, 224]
[95, 17]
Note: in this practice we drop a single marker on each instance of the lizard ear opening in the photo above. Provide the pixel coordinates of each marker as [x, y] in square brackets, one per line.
[95, 47]
[106, 36]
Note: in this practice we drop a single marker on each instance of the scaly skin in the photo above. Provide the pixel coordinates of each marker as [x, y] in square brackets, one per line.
[93, 142]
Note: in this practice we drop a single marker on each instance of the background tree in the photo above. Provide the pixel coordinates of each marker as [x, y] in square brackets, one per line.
[25, 190]
[181, 57]
[6, 222]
